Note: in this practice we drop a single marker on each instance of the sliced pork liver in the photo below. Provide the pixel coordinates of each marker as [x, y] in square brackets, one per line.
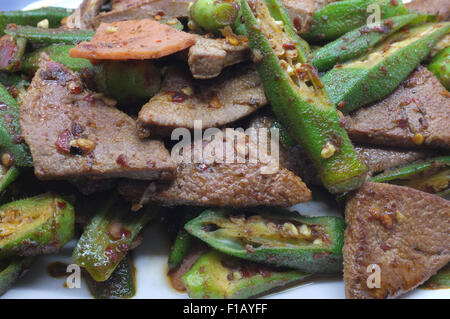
[182, 100]
[441, 8]
[223, 184]
[420, 105]
[403, 231]
[144, 9]
[208, 57]
[72, 132]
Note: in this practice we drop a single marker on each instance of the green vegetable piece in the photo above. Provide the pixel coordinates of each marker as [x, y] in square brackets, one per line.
[11, 53]
[120, 285]
[218, 276]
[440, 66]
[49, 36]
[126, 81]
[36, 225]
[10, 133]
[7, 176]
[296, 95]
[375, 75]
[213, 15]
[179, 249]
[432, 176]
[338, 18]
[108, 238]
[32, 17]
[12, 270]
[280, 238]
[358, 42]
[441, 280]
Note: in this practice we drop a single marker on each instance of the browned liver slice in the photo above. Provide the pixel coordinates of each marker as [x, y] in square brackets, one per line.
[420, 105]
[402, 230]
[56, 111]
[441, 8]
[234, 94]
[222, 184]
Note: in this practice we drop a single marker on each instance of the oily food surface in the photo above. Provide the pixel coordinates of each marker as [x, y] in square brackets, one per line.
[149, 40]
[402, 230]
[73, 132]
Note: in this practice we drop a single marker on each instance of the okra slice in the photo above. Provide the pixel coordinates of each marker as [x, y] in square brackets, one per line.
[49, 36]
[11, 270]
[213, 15]
[441, 280]
[440, 66]
[280, 238]
[126, 81]
[11, 143]
[34, 226]
[120, 285]
[32, 17]
[11, 53]
[7, 176]
[219, 276]
[376, 74]
[296, 94]
[432, 176]
[338, 18]
[358, 42]
[109, 236]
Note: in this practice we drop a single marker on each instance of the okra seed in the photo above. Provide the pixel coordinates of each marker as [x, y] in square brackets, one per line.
[317, 241]
[7, 160]
[115, 230]
[290, 229]
[44, 24]
[328, 150]
[305, 230]
[417, 138]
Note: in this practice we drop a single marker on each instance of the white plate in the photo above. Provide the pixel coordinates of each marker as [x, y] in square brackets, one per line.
[151, 256]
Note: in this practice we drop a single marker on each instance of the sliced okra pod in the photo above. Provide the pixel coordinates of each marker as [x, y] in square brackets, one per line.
[279, 238]
[296, 94]
[11, 270]
[441, 280]
[440, 66]
[213, 15]
[49, 36]
[33, 17]
[432, 176]
[7, 176]
[37, 225]
[376, 74]
[11, 53]
[14, 150]
[358, 42]
[219, 276]
[120, 285]
[126, 81]
[338, 18]
[109, 236]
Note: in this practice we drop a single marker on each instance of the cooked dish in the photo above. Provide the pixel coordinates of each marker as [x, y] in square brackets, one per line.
[213, 118]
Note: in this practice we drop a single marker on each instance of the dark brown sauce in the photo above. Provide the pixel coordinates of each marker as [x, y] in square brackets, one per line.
[57, 269]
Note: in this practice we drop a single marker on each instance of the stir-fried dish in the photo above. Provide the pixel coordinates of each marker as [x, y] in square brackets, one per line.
[214, 118]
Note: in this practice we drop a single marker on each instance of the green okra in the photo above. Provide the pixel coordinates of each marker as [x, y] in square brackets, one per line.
[432, 175]
[120, 285]
[10, 133]
[338, 18]
[126, 81]
[7, 176]
[11, 53]
[11, 270]
[213, 15]
[219, 276]
[376, 74]
[49, 36]
[358, 42]
[109, 236]
[441, 280]
[296, 95]
[280, 238]
[32, 17]
[180, 247]
[34, 226]
[440, 66]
